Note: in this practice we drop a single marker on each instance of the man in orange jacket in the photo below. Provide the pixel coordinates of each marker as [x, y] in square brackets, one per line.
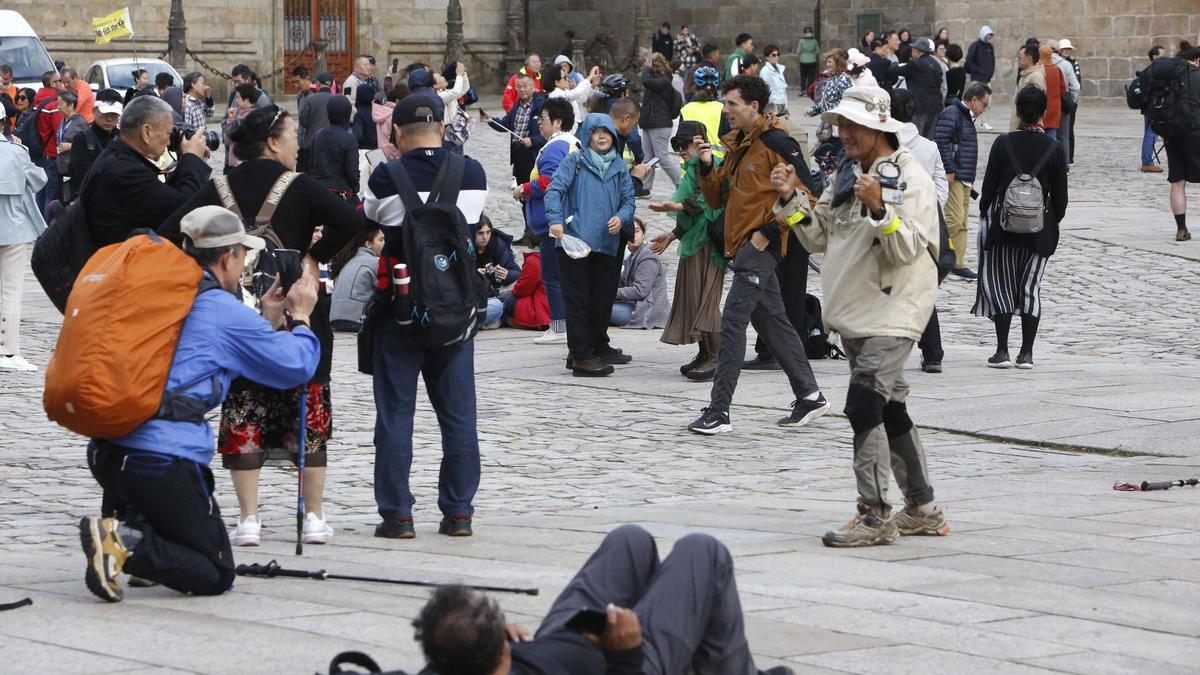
[533, 69]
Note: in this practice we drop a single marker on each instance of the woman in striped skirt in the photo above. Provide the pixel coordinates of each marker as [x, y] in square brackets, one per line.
[1011, 265]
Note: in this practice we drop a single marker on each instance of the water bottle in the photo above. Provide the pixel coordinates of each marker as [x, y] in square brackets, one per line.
[400, 294]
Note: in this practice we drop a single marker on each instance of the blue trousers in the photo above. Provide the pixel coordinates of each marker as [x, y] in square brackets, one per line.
[1148, 138]
[554, 296]
[53, 178]
[449, 374]
[622, 314]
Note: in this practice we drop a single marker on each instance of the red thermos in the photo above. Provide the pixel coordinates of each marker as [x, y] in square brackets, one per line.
[400, 279]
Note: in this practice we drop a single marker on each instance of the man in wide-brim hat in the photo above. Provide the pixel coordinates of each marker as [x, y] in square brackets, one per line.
[878, 226]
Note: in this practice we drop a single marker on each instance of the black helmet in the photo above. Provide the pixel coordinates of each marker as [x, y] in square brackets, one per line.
[614, 85]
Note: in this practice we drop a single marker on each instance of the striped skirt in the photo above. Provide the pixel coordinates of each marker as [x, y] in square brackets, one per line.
[1010, 281]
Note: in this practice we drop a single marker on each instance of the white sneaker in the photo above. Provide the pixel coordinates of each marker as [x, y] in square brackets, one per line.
[551, 338]
[986, 126]
[17, 362]
[248, 532]
[316, 531]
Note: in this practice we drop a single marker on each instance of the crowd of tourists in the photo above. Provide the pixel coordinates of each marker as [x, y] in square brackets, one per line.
[363, 213]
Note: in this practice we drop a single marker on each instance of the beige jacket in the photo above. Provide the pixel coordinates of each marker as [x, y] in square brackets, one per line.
[877, 281]
[1035, 76]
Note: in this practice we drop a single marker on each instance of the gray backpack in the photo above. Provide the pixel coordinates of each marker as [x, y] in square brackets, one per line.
[1024, 199]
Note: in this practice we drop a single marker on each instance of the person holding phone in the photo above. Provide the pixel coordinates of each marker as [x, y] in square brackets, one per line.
[626, 612]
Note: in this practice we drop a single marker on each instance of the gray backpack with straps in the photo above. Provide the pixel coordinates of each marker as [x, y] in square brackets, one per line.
[1024, 209]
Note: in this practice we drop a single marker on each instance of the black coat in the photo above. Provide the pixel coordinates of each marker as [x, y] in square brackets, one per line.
[90, 144]
[881, 68]
[1029, 147]
[923, 78]
[664, 44]
[981, 61]
[658, 103]
[335, 159]
[123, 192]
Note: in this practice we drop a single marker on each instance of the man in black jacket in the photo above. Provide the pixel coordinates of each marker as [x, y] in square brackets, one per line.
[679, 615]
[881, 65]
[924, 79]
[95, 138]
[981, 57]
[123, 192]
[664, 42]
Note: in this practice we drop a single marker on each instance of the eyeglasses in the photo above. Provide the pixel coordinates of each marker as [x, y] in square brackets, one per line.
[772, 54]
[22, 98]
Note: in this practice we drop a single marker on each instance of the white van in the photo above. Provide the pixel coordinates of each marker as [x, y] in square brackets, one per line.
[21, 48]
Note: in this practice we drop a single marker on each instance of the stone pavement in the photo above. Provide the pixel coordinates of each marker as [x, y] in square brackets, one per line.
[1046, 569]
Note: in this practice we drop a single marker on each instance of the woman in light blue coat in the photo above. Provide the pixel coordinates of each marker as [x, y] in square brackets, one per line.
[20, 224]
[591, 198]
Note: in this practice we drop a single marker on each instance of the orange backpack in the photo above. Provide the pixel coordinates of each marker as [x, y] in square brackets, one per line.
[108, 374]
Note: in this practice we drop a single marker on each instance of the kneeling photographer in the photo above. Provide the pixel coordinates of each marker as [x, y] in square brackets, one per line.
[498, 265]
[123, 191]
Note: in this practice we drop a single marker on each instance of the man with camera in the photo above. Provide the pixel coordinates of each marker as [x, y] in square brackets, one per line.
[878, 226]
[625, 613]
[123, 191]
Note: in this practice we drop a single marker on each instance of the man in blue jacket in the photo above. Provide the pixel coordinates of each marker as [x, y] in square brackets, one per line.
[157, 478]
[959, 147]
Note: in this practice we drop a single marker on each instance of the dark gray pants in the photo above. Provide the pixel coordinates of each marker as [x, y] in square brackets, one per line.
[688, 604]
[754, 298]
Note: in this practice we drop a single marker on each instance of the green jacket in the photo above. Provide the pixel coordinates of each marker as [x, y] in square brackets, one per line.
[808, 49]
[738, 54]
[691, 224]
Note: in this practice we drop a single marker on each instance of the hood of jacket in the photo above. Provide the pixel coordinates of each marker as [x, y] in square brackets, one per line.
[339, 111]
[984, 32]
[590, 124]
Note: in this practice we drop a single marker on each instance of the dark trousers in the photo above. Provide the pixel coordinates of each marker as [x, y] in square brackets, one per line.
[523, 161]
[554, 296]
[754, 298]
[50, 191]
[589, 289]
[449, 374]
[930, 343]
[688, 605]
[808, 74]
[792, 273]
[184, 544]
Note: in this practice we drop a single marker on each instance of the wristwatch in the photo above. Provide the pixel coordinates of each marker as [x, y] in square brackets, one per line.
[292, 323]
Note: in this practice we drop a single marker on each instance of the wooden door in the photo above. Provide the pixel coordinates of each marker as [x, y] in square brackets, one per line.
[329, 20]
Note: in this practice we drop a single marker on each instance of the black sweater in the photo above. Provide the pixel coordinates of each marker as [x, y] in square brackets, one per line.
[1029, 147]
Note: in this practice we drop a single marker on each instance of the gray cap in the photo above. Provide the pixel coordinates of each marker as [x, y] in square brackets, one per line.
[217, 226]
[925, 45]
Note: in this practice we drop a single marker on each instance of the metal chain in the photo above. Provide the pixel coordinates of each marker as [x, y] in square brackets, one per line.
[274, 73]
[498, 71]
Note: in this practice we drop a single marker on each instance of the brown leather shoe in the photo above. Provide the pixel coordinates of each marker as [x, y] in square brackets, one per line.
[1183, 235]
[592, 367]
[1151, 168]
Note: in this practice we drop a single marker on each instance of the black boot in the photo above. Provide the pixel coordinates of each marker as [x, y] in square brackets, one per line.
[701, 357]
[705, 371]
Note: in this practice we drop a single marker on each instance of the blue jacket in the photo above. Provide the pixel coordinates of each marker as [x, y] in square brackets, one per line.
[553, 152]
[579, 190]
[509, 122]
[224, 338]
[956, 140]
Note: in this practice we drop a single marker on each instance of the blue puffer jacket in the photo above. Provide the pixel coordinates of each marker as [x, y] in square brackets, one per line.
[579, 190]
[556, 149]
[956, 140]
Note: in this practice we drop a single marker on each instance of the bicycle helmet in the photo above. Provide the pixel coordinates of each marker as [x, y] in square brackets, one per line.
[613, 85]
[706, 76]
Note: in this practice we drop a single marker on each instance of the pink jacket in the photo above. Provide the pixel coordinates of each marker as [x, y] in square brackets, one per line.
[381, 113]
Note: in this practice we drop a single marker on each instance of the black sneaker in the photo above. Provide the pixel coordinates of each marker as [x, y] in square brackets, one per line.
[965, 273]
[761, 363]
[396, 528]
[711, 421]
[455, 526]
[805, 411]
[1025, 361]
[999, 360]
[611, 355]
[930, 366]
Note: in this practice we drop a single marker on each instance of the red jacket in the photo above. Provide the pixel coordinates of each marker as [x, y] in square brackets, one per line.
[48, 121]
[510, 89]
[532, 310]
[1056, 84]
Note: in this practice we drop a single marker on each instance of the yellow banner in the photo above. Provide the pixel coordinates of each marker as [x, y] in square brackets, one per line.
[115, 25]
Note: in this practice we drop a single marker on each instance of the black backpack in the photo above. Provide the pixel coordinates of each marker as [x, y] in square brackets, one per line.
[338, 666]
[447, 297]
[815, 339]
[276, 260]
[27, 131]
[62, 250]
[1135, 93]
[1170, 106]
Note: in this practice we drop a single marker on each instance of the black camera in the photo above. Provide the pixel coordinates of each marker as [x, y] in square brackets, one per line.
[493, 280]
[181, 132]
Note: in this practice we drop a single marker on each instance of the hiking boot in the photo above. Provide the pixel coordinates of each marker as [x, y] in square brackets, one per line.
[316, 530]
[613, 356]
[551, 338]
[999, 360]
[396, 528]
[106, 555]
[1025, 361]
[964, 273]
[592, 367]
[866, 529]
[761, 362]
[455, 526]
[711, 422]
[1180, 235]
[913, 522]
[1151, 168]
[930, 366]
[805, 411]
[704, 372]
[248, 532]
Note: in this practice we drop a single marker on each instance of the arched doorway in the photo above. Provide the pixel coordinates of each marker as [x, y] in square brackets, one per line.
[329, 20]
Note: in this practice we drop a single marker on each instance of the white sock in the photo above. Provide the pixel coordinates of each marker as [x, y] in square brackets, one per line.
[813, 396]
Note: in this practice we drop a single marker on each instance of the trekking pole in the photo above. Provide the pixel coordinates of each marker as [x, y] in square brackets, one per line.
[272, 569]
[1147, 486]
[300, 467]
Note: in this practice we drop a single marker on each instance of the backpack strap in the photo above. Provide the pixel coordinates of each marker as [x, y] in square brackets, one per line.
[1012, 155]
[221, 182]
[405, 189]
[1037, 168]
[781, 143]
[267, 211]
[449, 180]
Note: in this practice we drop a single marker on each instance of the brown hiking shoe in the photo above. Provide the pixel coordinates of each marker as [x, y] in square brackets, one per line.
[912, 522]
[106, 555]
[1151, 168]
[1183, 235]
[868, 528]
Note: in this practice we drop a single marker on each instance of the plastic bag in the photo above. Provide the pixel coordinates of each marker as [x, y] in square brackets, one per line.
[575, 247]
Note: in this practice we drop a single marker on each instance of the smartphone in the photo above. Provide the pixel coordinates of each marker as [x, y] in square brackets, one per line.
[348, 91]
[395, 65]
[375, 158]
[653, 161]
[588, 621]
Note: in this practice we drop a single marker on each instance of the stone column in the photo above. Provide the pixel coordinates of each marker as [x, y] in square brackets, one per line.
[454, 31]
[514, 55]
[177, 36]
[643, 27]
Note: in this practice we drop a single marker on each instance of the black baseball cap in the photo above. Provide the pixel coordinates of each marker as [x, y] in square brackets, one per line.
[418, 107]
[325, 76]
[688, 129]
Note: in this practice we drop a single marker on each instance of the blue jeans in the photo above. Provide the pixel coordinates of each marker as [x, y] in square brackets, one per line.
[622, 314]
[554, 296]
[1148, 139]
[495, 310]
[53, 178]
[1052, 133]
[449, 374]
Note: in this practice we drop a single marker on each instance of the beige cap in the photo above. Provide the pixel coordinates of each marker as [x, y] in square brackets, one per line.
[217, 226]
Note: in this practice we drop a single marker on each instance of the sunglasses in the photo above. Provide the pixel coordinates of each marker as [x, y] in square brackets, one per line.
[772, 54]
[22, 98]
